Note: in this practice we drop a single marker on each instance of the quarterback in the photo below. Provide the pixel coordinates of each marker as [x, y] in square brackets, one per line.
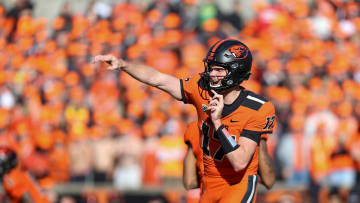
[231, 118]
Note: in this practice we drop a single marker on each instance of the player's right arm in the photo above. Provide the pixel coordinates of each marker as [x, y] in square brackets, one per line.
[144, 74]
[266, 166]
[190, 168]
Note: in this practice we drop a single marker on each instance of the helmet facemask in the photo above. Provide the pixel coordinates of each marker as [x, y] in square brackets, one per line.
[233, 77]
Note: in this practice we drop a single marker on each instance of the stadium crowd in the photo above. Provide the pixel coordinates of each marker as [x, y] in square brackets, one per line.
[70, 120]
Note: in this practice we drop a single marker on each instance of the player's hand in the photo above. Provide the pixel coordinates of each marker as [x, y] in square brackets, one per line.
[114, 62]
[216, 106]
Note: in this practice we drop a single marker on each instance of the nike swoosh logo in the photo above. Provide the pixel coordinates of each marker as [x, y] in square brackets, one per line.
[232, 121]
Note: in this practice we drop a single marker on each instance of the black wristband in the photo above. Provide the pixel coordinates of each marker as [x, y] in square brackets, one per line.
[227, 142]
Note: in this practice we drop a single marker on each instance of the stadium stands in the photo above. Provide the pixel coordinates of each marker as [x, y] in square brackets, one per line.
[72, 122]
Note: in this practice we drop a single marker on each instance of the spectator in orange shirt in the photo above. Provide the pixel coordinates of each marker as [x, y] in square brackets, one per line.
[321, 146]
[292, 153]
[18, 185]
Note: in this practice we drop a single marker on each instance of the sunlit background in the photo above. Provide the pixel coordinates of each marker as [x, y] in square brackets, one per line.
[89, 135]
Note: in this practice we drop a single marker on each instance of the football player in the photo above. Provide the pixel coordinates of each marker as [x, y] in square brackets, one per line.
[18, 185]
[231, 118]
[193, 167]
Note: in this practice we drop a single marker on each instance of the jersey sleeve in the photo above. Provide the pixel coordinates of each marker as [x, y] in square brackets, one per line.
[189, 87]
[14, 185]
[261, 123]
[190, 133]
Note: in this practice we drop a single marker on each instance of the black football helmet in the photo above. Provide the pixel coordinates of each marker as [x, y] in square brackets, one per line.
[8, 160]
[232, 55]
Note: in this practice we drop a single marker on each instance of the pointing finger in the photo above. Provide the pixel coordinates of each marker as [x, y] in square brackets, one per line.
[221, 98]
[99, 58]
[96, 59]
[215, 94]
[103, 58]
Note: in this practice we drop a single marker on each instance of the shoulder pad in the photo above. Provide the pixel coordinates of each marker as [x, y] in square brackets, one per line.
[254, 101]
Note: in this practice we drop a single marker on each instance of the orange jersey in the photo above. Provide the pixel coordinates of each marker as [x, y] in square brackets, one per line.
[17, 183]
[192, 137]
[250, 116]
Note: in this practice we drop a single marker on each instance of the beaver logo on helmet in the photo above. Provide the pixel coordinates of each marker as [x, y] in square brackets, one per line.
[239, 51]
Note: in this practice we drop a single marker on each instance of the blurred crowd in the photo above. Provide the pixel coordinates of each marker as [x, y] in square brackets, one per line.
[72, 121]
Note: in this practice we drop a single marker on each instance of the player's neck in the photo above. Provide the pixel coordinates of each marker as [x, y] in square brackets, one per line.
[231, 95]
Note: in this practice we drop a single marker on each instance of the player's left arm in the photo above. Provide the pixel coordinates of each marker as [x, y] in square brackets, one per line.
[266, 166]
[240, 153]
